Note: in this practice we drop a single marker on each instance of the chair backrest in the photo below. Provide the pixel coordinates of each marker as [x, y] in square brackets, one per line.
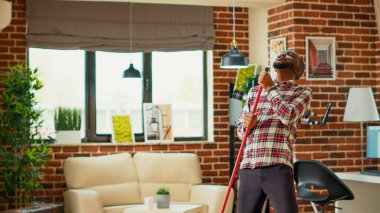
[312, 172]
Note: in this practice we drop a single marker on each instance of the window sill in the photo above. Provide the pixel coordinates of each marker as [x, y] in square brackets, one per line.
[134, 144]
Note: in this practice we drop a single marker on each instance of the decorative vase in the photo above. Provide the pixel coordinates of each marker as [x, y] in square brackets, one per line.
[163, 201]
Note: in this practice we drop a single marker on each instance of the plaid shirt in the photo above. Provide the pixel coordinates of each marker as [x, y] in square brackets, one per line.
[280, 112]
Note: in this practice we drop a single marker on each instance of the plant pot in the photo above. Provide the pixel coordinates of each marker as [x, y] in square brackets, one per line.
[163, 201]
[68, 137]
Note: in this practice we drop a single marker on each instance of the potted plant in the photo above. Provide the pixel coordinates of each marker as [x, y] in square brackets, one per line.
[22, 151]
[67, 123]
[163, 198]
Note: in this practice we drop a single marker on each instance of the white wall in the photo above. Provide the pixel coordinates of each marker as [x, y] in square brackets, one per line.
[258, 37]
[210, 96]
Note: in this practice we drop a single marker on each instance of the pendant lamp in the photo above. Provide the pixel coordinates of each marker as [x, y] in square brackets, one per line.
[233, 59]
[131, 72]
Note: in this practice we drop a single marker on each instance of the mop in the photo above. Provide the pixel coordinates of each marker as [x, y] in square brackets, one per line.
[236, 167]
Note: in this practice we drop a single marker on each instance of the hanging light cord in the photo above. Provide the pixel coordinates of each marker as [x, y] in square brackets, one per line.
[233, 43]
[233, 19]
[130, 31]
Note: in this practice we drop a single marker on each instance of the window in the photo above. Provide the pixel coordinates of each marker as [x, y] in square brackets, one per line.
[115, 94]
[64, 83]
[179, 84]
[93, 82]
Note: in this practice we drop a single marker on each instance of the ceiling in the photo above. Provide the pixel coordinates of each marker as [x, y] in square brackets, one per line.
[239, 3]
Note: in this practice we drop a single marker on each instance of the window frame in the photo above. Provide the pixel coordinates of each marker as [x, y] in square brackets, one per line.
[90, 99]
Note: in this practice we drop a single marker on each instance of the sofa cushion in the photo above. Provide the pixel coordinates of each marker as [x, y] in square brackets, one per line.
[168, 168]
[119, 194]
[85, 172]
[177, 171]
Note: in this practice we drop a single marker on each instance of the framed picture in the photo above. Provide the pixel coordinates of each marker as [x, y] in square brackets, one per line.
[320, 58]
[276, 46]
[157, 122]
[245, 79]
[122, 129]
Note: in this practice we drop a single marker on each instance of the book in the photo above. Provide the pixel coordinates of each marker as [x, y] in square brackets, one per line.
[122, 129]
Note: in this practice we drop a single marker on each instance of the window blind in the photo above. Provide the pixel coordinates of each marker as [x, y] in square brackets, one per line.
[105, 26]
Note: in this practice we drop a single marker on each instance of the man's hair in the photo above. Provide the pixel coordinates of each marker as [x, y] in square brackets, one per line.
[301, 68]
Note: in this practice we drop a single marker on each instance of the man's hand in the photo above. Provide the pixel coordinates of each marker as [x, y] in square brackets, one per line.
[265, 80]
[250, 120]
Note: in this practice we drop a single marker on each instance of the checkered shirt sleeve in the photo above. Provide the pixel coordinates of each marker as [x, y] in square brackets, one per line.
[280, 112]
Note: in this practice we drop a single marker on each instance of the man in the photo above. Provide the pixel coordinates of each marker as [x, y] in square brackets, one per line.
[267, 166]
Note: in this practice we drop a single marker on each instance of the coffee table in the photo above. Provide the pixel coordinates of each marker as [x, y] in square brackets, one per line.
[174, 208]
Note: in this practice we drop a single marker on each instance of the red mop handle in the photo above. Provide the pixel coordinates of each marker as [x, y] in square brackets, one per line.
[240, 153]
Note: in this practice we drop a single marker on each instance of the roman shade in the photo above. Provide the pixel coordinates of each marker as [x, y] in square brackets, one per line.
[105, 26]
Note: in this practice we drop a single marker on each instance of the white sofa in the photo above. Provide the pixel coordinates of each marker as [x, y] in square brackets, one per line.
[109, 184]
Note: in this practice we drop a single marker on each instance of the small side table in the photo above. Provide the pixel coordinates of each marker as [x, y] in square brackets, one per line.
[41, 208]
[174, 208]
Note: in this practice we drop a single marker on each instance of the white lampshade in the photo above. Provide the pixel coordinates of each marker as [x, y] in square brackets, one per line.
[5, 14]
[360, 106]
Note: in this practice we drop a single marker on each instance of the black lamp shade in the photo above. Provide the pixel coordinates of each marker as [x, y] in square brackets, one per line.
[131, 72]
[233, 60]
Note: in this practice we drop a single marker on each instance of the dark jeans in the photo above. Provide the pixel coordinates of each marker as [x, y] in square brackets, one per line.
[276, 182]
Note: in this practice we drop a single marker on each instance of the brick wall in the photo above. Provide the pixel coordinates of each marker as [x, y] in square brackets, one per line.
[353, 25]
[13, 46]
[12, 38]
[214, 156]
[354, 28]
[223, 78]
[53, 180]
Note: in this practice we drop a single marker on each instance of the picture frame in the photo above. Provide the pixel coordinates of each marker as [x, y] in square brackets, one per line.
[320, 58]
[276, 46]
[122, 129]
[157, 122]
[245, 77]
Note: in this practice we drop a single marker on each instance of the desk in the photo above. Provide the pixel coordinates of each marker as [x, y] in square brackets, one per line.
[174, 208]
[366, 189]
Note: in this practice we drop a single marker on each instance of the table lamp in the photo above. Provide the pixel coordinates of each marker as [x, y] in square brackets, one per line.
[361, 107]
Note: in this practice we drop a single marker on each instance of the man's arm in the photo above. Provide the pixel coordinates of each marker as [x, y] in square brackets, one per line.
[289, 111]
[246, 108]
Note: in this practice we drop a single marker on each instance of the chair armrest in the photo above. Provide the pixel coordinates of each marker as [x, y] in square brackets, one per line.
[213, 196]
[82, 201]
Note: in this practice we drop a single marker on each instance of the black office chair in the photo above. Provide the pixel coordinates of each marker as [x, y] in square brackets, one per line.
[313, 173]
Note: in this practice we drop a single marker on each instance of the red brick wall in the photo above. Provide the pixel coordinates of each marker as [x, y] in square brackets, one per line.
[13, 46]
[353, 24]
[214, 156]
[223, 78]
[53, 179]
[336, 144]
[354, 27]
[12, 38]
